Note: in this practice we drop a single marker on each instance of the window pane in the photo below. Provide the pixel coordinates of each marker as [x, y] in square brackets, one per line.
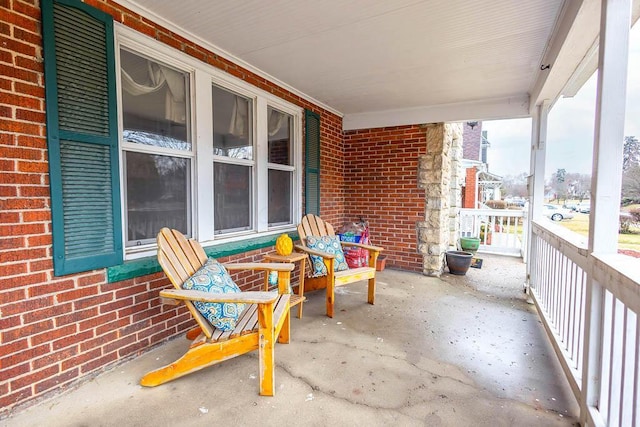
[279, 137]
[232, 124]
[279, 197]
[154, 103]
[232, 195]
[158, 195]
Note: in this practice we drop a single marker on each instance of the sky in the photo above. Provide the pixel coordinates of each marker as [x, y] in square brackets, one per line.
[570, 127]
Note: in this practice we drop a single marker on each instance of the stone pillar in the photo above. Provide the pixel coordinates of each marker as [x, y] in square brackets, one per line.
[434, 176]
[455, 184]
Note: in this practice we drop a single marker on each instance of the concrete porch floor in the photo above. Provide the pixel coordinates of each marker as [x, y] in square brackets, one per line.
[460, 350]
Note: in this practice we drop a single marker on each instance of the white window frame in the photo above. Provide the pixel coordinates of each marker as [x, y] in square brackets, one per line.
[202, 77]
[242, 91]
[285, 168]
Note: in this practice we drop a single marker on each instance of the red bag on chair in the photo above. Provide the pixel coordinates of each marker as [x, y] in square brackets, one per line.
[358, 257]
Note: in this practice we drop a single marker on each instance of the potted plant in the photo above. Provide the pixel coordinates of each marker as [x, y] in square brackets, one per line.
[469, 244]
[458, 262]
[485, 229]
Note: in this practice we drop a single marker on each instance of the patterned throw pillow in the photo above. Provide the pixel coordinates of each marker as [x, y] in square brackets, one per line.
[213, 277]
[329, 244]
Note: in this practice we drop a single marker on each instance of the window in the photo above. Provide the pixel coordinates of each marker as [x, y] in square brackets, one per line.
[233, 168]
[281, 167]
[157, 148]
[202, 151]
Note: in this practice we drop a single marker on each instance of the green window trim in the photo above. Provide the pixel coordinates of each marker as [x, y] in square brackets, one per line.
[312, 162]
[82, 136]
[149, 265]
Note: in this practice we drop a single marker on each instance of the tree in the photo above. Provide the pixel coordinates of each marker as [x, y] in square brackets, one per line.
[578, 185]
[630, 152]
[631, 184]
[560, 184]
[631, 170]
[515, 185]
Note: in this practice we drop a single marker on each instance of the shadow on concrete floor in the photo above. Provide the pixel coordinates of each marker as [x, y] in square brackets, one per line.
[453, 351]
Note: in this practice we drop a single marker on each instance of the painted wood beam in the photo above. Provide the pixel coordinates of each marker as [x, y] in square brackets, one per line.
[573, 34]
[489, 109]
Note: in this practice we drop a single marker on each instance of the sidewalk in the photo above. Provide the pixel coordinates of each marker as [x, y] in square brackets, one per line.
[430, 352]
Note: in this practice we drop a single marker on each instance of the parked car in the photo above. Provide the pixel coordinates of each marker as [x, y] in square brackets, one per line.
[584, 207]
[556, 213]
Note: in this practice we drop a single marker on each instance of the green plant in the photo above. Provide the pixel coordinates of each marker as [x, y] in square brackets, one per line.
[625, 224]
[484, 227]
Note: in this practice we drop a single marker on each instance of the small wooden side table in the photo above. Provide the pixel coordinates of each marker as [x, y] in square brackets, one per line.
[291, 258]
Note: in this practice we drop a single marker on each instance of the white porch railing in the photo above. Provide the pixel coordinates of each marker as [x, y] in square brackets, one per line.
[501, 231]
[590, 308]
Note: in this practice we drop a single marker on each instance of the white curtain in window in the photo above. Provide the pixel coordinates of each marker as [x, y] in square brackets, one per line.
[159, 76]
[276, 120]
[238, 125]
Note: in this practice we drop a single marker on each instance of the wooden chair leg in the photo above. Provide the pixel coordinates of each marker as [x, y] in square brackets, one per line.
[372, 291]
[285, 333]
[331, 285]
[266, 353]
[331, 288]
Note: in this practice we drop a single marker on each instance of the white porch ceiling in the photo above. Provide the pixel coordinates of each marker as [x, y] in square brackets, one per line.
[382, 62]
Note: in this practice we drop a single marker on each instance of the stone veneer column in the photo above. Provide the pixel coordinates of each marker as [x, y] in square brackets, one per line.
[434, 175]
[455, 184]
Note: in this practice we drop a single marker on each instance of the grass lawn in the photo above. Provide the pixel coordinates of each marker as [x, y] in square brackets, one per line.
[580, 224]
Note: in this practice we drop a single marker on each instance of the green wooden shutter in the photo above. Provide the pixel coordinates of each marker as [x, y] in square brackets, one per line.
[312, 162]
[82, 136]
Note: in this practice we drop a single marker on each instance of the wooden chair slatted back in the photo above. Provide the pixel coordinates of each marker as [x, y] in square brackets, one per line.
[313, 225]
[180, 258]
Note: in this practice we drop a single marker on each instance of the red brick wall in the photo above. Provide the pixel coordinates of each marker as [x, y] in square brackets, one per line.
[381, 168]
[468, 194]
[56, 330]
[332, 169]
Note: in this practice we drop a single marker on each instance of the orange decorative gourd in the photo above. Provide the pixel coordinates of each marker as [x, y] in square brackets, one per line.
[284, 245]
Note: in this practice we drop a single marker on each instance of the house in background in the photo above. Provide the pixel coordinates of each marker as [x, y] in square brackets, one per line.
[119, 116]
[480, 185]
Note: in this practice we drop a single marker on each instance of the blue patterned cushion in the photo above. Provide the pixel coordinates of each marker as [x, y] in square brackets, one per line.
[273, 282]
[329, 244]
[213, 277]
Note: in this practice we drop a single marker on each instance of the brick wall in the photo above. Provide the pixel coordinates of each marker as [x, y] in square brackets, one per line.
[471, 141]
[381, 167]
[332, 169]
[469, 196]
[56, 330]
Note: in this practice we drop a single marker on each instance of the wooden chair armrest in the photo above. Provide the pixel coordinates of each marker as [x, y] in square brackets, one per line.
[314, 252]
[363, 246]
[273, 266]
[239, 297]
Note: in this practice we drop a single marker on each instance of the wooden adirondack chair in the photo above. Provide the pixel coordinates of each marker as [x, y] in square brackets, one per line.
[312, 225]
[261, 322]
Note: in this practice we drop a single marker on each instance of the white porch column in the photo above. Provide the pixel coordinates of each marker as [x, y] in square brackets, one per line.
[606, 179]
[538, 154]
[536, 173]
